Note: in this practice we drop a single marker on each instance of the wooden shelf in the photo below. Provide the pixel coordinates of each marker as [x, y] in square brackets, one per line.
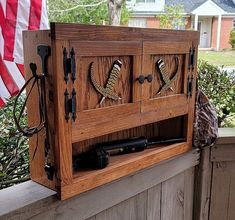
[121, 165]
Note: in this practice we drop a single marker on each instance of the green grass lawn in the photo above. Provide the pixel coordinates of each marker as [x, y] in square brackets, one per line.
[223, 58]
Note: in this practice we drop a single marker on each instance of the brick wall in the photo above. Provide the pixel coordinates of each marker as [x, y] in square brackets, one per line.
[226, 27]
[153, 23]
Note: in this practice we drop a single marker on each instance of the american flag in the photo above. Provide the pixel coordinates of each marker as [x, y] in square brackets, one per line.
[16, 16]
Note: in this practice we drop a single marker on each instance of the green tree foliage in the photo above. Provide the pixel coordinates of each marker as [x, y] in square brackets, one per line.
[219, 85]
[14, 156]
[172, 17]
[82, 11]
[232, 39]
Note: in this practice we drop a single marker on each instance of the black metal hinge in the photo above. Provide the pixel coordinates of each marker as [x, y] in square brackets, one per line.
[69, 65]
[190, 86]
[44, 51]
[70, 104]
[191, 58]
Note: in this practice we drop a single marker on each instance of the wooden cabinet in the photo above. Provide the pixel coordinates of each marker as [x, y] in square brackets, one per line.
[143, 107]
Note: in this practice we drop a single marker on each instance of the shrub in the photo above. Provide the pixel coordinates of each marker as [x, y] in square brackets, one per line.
[232, 39]
[219, 85]
[14, 156]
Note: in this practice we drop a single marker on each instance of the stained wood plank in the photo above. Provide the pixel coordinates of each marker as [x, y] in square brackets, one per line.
[224, 152]
[162, 36]
[22, 201]
[80, 32]
[166, 47]
[152, 116]
[188, 193]
[100, 216]
[63, 129]
[139, 211]
[92, 218]
[110, 48]
[202, 188]
[222, 194]
[231, 208]
[111, 120]
[135, 162]
[172, 203]
[164, 103]
[154, 203]
[220, 191]
[37, 164]
[132, 209]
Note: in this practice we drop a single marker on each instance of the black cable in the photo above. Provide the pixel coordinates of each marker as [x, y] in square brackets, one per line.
[30, 131]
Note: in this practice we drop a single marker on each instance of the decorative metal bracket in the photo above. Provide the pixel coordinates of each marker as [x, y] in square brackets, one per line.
[70, 104]
[69, 65]
[44, 51]
[190, 86]
[142, 78]
[191, 58]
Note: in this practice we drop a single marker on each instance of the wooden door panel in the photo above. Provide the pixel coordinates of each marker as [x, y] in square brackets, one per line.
[87, 96]
[175, 62]
[176, 86]
[102, 55]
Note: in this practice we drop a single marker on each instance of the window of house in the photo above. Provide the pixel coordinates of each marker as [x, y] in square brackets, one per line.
[233, 23]
[179, 25]
[137, 22]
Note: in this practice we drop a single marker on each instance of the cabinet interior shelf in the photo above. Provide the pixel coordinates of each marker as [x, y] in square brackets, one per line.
[122, 165]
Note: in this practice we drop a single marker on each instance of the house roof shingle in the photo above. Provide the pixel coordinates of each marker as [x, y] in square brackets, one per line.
[190, 5]
[226, 5]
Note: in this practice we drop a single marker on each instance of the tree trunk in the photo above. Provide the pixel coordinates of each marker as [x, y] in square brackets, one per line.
[114, 7]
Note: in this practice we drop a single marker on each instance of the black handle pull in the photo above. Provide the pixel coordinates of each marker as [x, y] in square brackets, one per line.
[44, 51]
[149, 78]
[141, 78]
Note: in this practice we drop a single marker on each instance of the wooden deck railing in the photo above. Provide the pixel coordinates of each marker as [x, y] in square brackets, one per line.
[164, 191]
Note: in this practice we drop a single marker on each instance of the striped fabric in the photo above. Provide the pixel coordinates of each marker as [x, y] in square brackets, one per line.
[16, 16]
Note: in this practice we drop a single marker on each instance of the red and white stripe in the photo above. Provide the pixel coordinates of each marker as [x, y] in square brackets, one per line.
[16, 16]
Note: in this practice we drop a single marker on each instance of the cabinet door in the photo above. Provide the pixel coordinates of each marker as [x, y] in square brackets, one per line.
[166, 96]
[95, 119]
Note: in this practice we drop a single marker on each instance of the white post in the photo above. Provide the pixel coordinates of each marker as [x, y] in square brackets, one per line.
[196, 22]
[218, 33]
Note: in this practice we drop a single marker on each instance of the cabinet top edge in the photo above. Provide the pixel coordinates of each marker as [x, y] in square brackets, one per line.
[76, 31]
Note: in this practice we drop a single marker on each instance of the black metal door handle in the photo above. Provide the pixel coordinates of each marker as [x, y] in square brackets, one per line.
[141, 78]
[149, 78]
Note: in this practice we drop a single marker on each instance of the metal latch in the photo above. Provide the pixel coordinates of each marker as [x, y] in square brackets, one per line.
[190, 86]
[69, 65]
[70, 104]
[191, 58]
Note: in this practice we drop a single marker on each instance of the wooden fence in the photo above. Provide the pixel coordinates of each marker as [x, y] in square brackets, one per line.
[215, 180]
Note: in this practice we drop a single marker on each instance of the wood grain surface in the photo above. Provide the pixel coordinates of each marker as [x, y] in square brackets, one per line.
[139, 112]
